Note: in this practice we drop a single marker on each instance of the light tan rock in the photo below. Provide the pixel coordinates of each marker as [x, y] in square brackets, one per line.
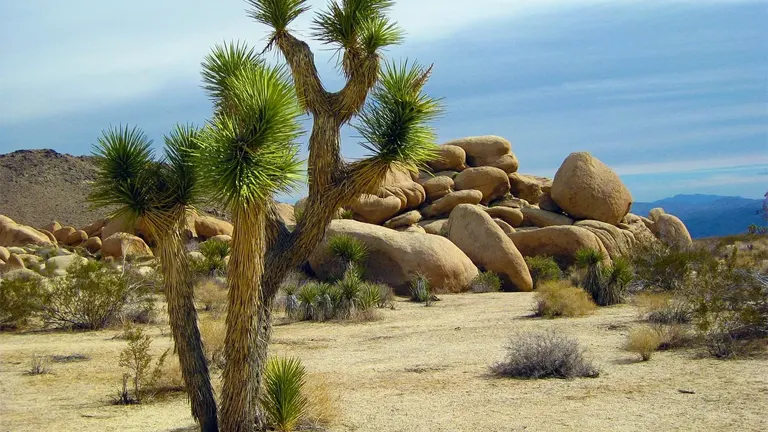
[13, 234]
[287, 214]
[56, 266]
[618, 242]
[4, 253]
[586, 188]
[62, 235]
[486, 244]
[655, 213]
[121, 244]
[404, 220]
[13, 263]
[511, 202]
[437, 187]
[375, 210]
[512, 216]
[435, 226]
[542, 218]
[671, 231]
[93, 244]
[444, 205]
[411, 229]
[77, 238]
[507, 228]
[395, 258]
[208, 226]
[449, 157]
[94, 227]
[52, 226]
[492, 182]
[489, 150]
[560, 242]
[222, 238]
[400, 184]
[547, 203]
[525, 187]
[50, 236]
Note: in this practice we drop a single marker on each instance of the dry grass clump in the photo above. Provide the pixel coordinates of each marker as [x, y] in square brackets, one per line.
[322, 405]
[559, 298]
[38, 365]
[644, 341]
[537, 355]
[212, 294]
[212, 333]
[663, 308]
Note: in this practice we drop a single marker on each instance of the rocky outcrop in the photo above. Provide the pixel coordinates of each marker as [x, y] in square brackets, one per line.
[400, 184]
[77, 238]
[208, 226]
[488, 150]
[559, 242]
[93, 244]
[486, 244]
[436, 227]
[449, 158]
[585, 188]
[669, 229]
[14, 234]
[395, 258]
[62, 234]
[525, 187]
[444, 205]
[547, 203]
[404, 220]
[542, 218]
[286, 213]
[617, 242]
[437, 187]
[492, 182]
[375, 210]
[13, 263]
[121, 244]
[58, 265]
[513, 216]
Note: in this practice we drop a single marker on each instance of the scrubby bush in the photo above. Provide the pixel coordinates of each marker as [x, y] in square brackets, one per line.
[674, 336]
[212, 332]
[283, 397]
[561, 299]
[38, 365]
[138, 361]
[20, 298]
[322, 408]
[213, 263]
[664, 268]
[421, 290]
[606, 285]
[348, 252]
[349, 298]
[212, 295]
[643, 341]
[93, 295]
[544, 355]
[487, 281]
[542, 269]
[663, 308]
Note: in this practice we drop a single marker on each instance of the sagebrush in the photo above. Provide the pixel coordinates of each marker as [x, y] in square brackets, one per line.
[538, 355]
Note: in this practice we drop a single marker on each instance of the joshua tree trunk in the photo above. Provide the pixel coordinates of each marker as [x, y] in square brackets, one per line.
[239, 395]
[183, 321]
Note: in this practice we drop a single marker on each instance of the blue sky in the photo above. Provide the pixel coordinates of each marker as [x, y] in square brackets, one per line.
[672, 94]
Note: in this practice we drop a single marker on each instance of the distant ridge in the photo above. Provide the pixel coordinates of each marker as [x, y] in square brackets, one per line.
[708, 215]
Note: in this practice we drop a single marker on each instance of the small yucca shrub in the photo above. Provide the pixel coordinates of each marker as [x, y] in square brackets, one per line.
[308, 296]
[615, 280]
[542, 269]
[283, 397]
[544, 355]
[643, 341]
[486, 282]
[561, 299]
[348, 252]
[421, 290]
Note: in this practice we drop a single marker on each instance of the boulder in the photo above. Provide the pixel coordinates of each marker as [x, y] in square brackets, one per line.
[77, 238]
[586, 188]
[404, 220]
[396, 258]
[57, 266]
[123, 224]
[449, 157]
[507, 228]
[486, 244]
[560, 242]
[444, 205]
[671, 231]
[50, 236]
[286, 213]
[618, 242]
[93, 244]
[121, 244]
[208, 226]
[411, 229]
[196, 256]
[63, 234]
[375, 210]
[547, 203]
[437, 187]
[222, 238]
[435, 226]
[643, 235]
[14, 262]
[492, 182]
[52, 226]
[400, 184]
[489, 150]
[542, 218]
[655, 213]
[13, 234]
[525, 187]
[95, 226]
[4, 253]
[511, 202]
[512, 216]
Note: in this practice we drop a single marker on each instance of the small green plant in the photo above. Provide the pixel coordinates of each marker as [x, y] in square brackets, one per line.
[283, 396]
[20, 299]
[615, 280]
[369, 297]
[421, 290]
[212, 294]
[538, 355]
[307, 297]
[137, 359]
[348, 251]
[487, 281]
[38, 365]
[542, 269]
[213, 263]
[643, 341]
[559, 298]
[347, 214]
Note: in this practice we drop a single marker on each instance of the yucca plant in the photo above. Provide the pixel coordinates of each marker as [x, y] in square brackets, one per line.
[161, 194]
[616, 279]
[592, 261]
[349, 252]
[307, 297]
[349, 286]
[369, 296]
[421, 290]
[283, 397]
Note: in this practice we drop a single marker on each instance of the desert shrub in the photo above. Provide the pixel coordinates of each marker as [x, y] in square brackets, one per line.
[283, 397]
[663, 308]
[561, 299]
[347, 252]
[542, 268]
[487, 281]
[349, 288]
[614, 283]
[421, 290]
[544, 355]
[307, 297]
[138, 361]
[369, 296]
[386, 295]
[591, 261]
[660, 267]
[212, 333]
[674, 336]
[212, 295]
[93, 295]
[213, 263]
[20, 298]
[643, 341]
[38, 365]
[347, 214]
[321, 410]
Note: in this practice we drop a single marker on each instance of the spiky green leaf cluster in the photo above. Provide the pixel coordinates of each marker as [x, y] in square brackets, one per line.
[277, 14]
[396, 121]
[248, 151]
[224, 62]
[588, 257]
[347, 248]
[283, 396]
[181, 146]
[357, 24]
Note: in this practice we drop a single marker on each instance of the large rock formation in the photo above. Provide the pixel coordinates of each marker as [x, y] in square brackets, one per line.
[396, 258]
[488, 150]
[618, 242]
[13, 234]
[513, 216]
[375, 210]
[444, 205]
[586, 188]
[208, 226]
[486, 244]
[542, 218]
[121, 244]
[437, 187]
[669, 229]
[559, 242]
[449, 158]
[492, 182]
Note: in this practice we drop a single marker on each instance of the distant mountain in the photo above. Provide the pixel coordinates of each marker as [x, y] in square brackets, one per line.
[708, 215]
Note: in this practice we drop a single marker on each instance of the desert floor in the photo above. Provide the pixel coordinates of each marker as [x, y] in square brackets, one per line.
[415, 369]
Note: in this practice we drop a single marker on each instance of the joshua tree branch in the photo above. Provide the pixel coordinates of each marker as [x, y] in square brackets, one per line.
[301, 60]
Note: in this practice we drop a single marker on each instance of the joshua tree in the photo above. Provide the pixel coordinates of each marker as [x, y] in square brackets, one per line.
[160, 194]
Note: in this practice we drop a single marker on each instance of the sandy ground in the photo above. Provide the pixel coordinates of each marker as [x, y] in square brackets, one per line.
[416, 369]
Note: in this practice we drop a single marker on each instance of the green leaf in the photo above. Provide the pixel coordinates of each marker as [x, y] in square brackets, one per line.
[224, 62]
[277, 14]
